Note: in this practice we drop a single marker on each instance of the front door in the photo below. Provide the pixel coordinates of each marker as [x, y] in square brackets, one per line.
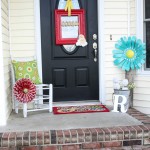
[72, 70]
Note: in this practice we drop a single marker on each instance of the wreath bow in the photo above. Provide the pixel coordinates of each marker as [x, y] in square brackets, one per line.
[69, 7]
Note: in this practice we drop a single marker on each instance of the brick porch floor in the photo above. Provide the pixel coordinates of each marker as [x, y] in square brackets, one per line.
[112, 138]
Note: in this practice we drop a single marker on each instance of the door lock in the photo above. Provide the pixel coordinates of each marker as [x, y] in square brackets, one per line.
[94, 36]
[94, 45]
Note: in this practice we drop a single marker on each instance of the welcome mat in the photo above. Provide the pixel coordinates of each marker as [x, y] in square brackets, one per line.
[79, 109]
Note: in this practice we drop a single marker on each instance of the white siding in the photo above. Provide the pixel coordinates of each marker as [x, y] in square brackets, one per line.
[141, 98]
[142, 94]
[22, 28]
[6, 56]
[132, 17]
[115, 24]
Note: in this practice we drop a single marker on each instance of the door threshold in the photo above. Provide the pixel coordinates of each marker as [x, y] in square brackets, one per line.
[76, 103]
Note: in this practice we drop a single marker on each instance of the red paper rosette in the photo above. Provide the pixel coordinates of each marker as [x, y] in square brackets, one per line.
[24, 90]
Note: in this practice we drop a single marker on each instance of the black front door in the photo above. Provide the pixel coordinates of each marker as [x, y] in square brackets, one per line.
[73, 71]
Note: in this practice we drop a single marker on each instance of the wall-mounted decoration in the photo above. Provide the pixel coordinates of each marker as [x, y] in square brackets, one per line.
[24, 90]
[68, 28]
[81, 41]
[130, 53]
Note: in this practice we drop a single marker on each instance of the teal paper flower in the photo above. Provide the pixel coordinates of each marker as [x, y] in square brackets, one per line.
[130, 53]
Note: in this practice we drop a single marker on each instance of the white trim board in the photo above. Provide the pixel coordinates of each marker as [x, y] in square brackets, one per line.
[2, 79]
[139, 30]
[139, 19]
[101, 51]
[100, 48]
[38, 36]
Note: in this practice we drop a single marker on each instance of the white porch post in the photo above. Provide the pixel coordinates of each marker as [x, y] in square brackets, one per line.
[38, 36]
[2, 85]
[38, 40]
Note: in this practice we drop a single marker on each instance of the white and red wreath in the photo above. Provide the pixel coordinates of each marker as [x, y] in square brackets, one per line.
[24, 90]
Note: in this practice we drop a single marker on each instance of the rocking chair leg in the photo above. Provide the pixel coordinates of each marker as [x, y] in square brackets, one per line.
[25, 110]
[16, 106]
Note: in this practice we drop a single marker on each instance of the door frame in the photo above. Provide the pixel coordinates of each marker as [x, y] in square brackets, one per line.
[101, 54]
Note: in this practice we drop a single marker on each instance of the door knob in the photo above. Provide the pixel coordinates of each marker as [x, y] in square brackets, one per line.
[95, 57]
[95, 51]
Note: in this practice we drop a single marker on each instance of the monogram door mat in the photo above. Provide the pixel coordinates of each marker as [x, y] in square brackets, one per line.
[80, 109]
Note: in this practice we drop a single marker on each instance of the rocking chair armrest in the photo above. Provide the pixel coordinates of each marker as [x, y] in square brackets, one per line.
[42, 85]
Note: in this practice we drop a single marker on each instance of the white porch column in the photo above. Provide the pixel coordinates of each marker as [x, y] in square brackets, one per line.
[2, 85]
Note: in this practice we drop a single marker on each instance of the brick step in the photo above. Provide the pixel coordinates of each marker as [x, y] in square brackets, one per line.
[100, 137]
[76, 147]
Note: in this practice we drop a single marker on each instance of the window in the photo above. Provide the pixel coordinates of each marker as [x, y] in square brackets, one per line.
[147, 32]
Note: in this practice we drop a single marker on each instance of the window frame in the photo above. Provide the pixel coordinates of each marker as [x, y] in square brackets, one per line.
[140, 30]
[144, 30]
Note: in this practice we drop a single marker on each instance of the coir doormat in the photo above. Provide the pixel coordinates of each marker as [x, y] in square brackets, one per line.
[80, 109]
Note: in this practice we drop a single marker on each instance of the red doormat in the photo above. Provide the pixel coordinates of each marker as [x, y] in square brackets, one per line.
[80, 109]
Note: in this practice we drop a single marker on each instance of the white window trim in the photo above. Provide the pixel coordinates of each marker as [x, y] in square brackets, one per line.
[139, 30]
[100, 48]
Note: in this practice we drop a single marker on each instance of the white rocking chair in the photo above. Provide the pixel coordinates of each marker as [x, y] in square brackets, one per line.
[38, 101]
